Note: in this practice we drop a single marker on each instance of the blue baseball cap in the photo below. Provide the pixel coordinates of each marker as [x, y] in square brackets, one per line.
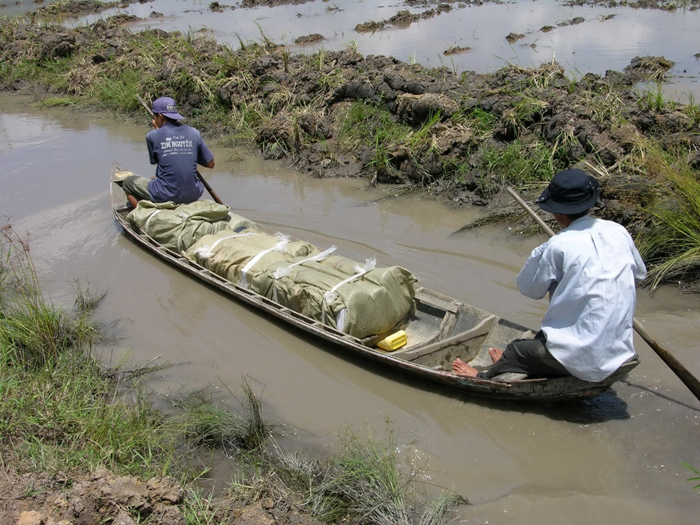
[167, 107]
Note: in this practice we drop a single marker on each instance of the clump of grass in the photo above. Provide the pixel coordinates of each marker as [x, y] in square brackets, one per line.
[212, 426]
[481, 122]
[58, 407]
[695, 471]
[655, 100]
[370, 481]
[86, 299]
[363, 123]
[32, 330]
[62, 410]
[362, 483]
[519, 164]
[670, 241]
[692, 110]
[52, 102]
[437, 512]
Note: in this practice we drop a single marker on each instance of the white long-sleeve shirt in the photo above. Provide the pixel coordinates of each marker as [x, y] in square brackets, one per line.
[589, 270]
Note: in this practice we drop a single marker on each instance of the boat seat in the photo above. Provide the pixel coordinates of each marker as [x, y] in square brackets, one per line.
[480, 330]
[451, 306]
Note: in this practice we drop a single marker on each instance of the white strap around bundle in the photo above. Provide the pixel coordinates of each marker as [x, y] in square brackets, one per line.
[148, 221]
[331, 294]
[281, 247]
[284, 271]
[205, 252]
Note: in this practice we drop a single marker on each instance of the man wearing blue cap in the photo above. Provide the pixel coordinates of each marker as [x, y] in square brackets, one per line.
[176, 149]
[589, 269]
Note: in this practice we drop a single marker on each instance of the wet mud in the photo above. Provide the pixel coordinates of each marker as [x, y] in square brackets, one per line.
[309, 39]
[540, 105]
[456, 50]
[78, 8]
[124, 500]
[402, 19]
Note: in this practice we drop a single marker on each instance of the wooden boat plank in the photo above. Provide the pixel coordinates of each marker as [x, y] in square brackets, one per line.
[480, 330]
[449, 306]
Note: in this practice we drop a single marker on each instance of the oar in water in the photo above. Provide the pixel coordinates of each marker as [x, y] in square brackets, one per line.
[199, 175]
[682, 372]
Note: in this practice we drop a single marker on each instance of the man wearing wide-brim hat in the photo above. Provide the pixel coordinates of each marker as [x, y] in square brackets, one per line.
[589, 269]
[176, 149]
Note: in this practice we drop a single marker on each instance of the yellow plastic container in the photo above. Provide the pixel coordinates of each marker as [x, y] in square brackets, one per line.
[394, 341]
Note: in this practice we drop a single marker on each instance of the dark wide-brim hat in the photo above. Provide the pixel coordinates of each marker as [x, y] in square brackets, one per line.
[166, 106]
[570, 192]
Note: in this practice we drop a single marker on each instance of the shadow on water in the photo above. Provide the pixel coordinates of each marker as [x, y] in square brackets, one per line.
[663, 396]
[596, 409]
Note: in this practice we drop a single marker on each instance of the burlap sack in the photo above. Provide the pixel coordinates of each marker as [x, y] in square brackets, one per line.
[179, 226]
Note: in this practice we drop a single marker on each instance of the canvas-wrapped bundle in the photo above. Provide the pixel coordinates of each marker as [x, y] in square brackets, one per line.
[360, 300]
[241, 256]
[179, 226]
[357, 299]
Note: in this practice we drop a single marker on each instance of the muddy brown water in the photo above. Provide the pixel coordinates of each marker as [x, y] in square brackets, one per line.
[615, 458]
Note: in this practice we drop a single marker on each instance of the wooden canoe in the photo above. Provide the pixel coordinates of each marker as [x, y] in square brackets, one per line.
[441, 329]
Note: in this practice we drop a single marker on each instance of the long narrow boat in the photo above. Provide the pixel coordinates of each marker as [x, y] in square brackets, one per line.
[439, 330]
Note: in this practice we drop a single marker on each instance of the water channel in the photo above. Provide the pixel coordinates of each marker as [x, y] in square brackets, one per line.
[615, 458]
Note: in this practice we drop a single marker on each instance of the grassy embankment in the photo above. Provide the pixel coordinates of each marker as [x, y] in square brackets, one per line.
[62, 411]
[108, 66]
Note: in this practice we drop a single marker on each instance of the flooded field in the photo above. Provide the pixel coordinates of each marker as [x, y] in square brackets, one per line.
[615, 458]
[583, 38]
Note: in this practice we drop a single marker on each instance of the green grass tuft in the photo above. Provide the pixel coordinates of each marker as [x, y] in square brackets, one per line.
[209, 425]
[695, 471]
[362, 483]
[670, 242]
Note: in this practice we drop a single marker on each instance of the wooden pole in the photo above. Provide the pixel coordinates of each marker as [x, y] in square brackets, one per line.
[199, 175]
[676, 366]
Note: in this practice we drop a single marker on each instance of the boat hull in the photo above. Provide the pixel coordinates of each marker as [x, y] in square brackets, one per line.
[439, 330]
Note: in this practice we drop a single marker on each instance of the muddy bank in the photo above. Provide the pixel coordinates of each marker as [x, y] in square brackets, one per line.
[665, 5]
[457, 136]
[402, 19]
[125, 500]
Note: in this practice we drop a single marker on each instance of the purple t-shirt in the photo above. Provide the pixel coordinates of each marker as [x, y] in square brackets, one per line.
[176, 149]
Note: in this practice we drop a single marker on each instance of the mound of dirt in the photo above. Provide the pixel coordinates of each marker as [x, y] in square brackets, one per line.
[309, 39]
[43, 499]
